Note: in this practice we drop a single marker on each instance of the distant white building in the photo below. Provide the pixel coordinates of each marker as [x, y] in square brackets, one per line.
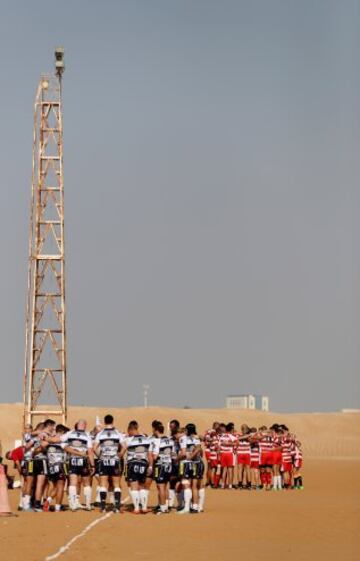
[248, 401]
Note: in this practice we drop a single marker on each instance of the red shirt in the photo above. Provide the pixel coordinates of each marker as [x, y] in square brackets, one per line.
[17, 454]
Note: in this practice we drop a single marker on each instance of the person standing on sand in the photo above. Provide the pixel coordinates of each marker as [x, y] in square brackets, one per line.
[107, 446]
[138, 466]
[191, 470]
[243, 458]
[81, 463]
[227, 444]
[162, 457]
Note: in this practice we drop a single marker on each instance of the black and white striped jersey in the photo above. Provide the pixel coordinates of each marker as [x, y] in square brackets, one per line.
[138, 447]
[56, 454]
[78, 439]
[164, 450]
[109, 442]
[189, 443]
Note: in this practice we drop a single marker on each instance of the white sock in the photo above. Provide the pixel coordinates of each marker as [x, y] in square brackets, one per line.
[171, 497]
[49, 500]
[97, 500]
[144, 497]
[195, 507]
[187, 498]
[78, 500]
[26, 501]
[72, 496]
[87, 495]
[57, 508]
[201, 499]
[279, 482]
[163, 508]
[135, 496]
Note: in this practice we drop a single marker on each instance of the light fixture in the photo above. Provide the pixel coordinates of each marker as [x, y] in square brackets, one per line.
[59, 61]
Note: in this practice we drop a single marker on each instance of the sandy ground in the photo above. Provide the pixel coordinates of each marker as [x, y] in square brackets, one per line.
[321, 522]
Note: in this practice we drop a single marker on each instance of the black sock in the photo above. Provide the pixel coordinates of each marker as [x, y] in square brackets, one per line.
[117, 497]
[103, 499]
[300, 481]
[37, 504]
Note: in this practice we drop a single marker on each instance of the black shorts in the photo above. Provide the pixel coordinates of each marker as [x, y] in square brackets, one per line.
[37, 466]
[57, 472]
[162, 473]
[110, 467]
[24, 468]
[175, 469]
[192, 470]
[136, 471]
[198, 469]
[79, 466]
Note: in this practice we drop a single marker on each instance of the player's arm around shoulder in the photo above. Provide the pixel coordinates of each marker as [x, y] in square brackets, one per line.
[123, 447]
[96, 444]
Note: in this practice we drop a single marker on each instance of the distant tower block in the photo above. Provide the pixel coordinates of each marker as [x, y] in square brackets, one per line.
[45, 340]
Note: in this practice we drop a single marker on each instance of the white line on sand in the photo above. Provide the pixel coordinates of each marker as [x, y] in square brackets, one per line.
[67, 546]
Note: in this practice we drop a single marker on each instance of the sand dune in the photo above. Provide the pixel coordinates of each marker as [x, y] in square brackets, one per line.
[323, 435]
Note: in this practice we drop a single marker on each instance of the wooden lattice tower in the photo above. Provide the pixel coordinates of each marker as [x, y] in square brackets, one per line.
[45, 381]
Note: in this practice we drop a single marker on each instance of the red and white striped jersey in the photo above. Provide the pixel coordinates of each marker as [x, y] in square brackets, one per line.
[254, 452]
[266, 443]
[243, 446]
[297, 452]
[227, 441]
[277, 440]
[287, 450]
[211, 440]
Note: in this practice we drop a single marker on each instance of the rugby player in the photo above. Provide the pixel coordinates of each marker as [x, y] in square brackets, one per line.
[138, 466]
[287, 454]
[266, 445]
[81, 463]
[254, 460]
[57, 468]
[174, 484]
[107, 446]
[97, 428]
[27, 466]
[277, 457]
[211, 452]
[227, 444]
[162, 454]
[191, 470]
[297, 461]
[243, 458]
[39, 462]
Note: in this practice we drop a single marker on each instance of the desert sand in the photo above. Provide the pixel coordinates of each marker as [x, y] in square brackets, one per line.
[321, 522]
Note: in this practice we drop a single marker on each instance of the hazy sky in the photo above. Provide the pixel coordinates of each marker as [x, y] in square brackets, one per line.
[212, 157]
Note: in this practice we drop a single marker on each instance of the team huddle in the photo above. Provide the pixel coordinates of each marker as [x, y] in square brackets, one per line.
[264, 458]
[54, 460]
